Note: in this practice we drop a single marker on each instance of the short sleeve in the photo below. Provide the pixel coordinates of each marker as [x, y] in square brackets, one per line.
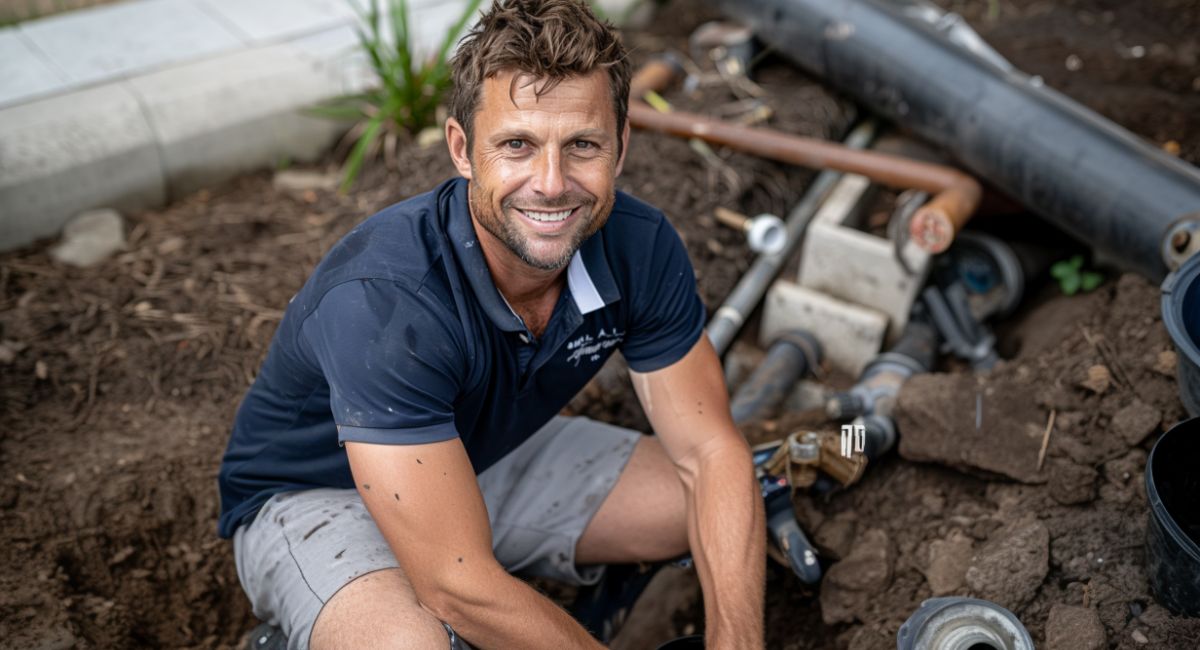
[391, 360]
[667, 315]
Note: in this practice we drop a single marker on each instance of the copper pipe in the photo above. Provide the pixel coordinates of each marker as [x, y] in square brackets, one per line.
[933, 226]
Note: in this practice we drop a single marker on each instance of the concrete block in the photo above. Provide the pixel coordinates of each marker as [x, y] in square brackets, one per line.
[58, 159]
[856, 266]
[850, 335]
[108, 41]
[260, 21]
[229, 114]
[24, 72]
[337, 51]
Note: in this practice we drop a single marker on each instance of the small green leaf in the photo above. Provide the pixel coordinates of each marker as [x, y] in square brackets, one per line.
[1091, 280]
[1070, 284]
[1061, 270]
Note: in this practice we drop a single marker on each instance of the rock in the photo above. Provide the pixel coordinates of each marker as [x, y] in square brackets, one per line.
[948, 562]
[430, 136]
[90, 237]
[836, 534]
[299, 181]
[1139, 637]
[1074, 628]
[870, 638]
[992, 425]
[1012, 564]
[1166, 363]
[852, 584]
[1098, 380]
[1136, 421]
[1072, 483]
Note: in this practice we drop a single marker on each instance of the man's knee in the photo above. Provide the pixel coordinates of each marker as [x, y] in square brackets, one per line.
[377, 610]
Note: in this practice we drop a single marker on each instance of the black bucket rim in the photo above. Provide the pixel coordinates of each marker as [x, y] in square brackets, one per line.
[1155, 502]
[1172, 307]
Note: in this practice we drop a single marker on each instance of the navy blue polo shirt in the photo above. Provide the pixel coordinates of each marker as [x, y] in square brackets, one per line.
[401, 337]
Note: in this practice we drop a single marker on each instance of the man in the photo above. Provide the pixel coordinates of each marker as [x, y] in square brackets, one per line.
[399, 453]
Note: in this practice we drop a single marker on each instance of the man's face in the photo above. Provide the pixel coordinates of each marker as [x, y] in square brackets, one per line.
[542, 169]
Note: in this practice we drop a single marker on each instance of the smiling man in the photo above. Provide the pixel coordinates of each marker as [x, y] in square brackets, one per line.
[400, 453]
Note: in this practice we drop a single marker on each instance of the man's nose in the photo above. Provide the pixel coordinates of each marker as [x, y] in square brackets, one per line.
[549, 178]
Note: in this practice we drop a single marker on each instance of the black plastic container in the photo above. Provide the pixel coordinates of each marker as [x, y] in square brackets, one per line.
[1181, 316]
[1173, 532]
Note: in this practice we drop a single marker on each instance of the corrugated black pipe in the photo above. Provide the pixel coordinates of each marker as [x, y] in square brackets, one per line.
[1135, 204]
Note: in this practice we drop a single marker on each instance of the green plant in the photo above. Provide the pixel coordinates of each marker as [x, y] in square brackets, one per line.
[409, 92]
[1072, 277]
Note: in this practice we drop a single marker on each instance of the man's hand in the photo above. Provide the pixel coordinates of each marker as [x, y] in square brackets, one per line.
[689, 410]
[426, 501]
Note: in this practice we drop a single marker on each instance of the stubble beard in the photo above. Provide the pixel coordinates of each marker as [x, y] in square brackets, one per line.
[504, 228]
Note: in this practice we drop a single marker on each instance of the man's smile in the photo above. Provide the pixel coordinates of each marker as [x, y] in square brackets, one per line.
[547, 217]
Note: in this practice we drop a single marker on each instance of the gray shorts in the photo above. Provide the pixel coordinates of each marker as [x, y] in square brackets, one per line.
[304, 546]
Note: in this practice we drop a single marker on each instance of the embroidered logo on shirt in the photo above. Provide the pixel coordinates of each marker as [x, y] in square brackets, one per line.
[588, 347]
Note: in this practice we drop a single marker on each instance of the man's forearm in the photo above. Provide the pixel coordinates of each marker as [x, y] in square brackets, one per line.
[725, 529]
[504, 612]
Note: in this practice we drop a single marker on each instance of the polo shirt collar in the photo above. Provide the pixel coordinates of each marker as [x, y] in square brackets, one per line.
[589, 276]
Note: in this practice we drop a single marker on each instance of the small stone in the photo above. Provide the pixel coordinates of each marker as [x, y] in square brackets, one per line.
[1166, 363]
[1098, 380]
[852, 584]
[1136, 421]
[1074, 63]
[429, 137]
[1011, 566]
[41, 370]
[835, 536]
[948, 562]
[1072, 483]
[299, 181]
[1074, 628]
[90, 237]
[7, 353]
[1139, 637]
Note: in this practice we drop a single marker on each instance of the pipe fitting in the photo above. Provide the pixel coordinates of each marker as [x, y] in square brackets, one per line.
[957, 623]
[765, 233]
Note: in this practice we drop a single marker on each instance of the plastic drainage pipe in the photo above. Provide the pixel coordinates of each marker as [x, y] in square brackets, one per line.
[933, 226]
[1129, 200]
[788, 359]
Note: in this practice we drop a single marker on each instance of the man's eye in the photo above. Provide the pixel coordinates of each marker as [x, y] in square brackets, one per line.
[584, 145]
[515, 144]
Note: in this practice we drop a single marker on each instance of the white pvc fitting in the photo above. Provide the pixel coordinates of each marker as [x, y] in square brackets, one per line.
[766, 233]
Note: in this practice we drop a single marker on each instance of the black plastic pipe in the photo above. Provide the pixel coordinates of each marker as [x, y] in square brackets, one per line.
[1135, 204]
[788, 359]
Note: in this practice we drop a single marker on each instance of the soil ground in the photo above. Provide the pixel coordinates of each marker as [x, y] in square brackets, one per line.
[119, 383]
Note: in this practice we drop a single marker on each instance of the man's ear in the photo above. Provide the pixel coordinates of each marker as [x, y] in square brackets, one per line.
[624, 147]
[456, 141]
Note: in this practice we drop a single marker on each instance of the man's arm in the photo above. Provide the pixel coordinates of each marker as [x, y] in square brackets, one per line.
[687, 405]
[426, 501]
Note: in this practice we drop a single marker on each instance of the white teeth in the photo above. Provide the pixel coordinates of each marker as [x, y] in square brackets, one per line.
[547, 217]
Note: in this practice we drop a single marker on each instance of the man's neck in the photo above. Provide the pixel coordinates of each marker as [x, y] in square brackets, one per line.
[530, 292]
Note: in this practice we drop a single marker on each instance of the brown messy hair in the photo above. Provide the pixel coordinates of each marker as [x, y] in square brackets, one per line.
[548, 40]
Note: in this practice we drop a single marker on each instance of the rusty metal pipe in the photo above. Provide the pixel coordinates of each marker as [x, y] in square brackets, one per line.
[955, 194]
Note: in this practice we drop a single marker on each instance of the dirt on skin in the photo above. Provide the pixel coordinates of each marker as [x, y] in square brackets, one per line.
[118, 384]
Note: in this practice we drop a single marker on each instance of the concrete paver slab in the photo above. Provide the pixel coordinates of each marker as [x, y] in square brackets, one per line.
[268, 20]
[112, 40]
[235, 113]
[24, 73]
[57, 159]
[338, 51]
